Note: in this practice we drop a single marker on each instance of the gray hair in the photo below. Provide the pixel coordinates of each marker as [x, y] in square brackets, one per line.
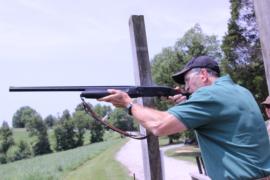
[210, 71]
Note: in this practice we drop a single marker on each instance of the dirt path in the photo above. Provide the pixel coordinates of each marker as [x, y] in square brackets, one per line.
[130, 155]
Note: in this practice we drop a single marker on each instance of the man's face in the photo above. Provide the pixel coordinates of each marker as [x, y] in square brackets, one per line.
[193, 80]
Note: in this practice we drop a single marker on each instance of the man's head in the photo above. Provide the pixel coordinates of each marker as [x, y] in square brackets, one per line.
[198, 72]
[266, 104]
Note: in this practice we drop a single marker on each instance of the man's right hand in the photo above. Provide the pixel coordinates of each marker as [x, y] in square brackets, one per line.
[176, 99]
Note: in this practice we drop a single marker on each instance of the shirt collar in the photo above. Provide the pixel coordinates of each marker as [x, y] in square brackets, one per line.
[227, 78]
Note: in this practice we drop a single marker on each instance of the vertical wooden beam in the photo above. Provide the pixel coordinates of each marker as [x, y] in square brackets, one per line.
[142, 69]
[263, 20]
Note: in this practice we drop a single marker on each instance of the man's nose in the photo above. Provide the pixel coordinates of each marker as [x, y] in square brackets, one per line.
[186, 88]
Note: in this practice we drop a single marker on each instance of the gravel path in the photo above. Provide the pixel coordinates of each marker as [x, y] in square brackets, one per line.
[130, 155]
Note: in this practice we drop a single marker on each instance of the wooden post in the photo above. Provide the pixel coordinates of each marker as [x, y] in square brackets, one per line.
[263, 20]
[142, 69]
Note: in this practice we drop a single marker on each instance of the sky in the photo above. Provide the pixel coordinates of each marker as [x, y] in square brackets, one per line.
[86, 42]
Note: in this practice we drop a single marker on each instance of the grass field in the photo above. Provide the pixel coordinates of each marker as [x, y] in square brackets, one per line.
[95, 161]
[59, 165]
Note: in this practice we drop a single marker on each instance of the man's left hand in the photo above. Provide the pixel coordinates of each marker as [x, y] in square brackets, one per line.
[117, 98]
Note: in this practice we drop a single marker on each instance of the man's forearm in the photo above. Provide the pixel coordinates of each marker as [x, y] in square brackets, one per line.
[158, 122]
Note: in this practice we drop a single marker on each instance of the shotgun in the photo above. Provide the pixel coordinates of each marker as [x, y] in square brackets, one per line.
[95, 92]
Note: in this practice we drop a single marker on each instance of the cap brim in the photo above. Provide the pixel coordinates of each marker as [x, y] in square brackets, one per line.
[179, 77]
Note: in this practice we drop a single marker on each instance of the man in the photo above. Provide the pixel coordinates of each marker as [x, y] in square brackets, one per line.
[227, 119]
[266, 104]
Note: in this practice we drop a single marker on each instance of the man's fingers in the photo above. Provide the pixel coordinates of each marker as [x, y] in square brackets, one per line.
[113, 91]
[179, 98]
[170, 99]
[109, 97]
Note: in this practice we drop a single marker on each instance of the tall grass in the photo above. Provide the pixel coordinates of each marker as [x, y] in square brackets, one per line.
[54, 166]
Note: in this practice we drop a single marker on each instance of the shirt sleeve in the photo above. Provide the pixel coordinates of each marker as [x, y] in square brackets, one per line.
[199, 110]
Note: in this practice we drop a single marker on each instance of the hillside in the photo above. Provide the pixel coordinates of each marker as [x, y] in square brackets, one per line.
[63, 164]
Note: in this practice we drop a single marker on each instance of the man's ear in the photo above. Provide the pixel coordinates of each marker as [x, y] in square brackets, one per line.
[204, 75]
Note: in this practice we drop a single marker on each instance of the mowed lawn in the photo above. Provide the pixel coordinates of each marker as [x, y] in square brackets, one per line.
[102, 167]
[94, 161]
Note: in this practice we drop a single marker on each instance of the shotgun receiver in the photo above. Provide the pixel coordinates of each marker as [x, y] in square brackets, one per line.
[95, 92]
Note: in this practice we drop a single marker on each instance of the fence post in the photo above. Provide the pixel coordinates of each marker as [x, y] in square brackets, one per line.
[142, 69]
[263, 20]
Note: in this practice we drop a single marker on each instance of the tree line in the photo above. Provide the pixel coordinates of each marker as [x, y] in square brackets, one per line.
[68, 131]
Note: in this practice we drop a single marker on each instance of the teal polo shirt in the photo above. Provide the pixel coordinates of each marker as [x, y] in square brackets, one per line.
[230, 130]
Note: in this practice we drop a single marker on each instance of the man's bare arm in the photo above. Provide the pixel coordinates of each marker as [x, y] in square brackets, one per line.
[158, 122]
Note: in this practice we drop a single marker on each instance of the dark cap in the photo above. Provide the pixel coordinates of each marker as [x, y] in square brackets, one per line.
[197, 62]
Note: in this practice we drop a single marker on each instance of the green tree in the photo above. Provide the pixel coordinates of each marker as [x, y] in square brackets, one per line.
[69, 132]
[242, 50]
[18, 152]
[37, 129]
[164, 64]
[87, 118]
[3, 158]
[24, 150]
[97, 132]
[6, 141]
[6, 138]
[60, 138]
[21, 116]
[69, 128]
[65, 133]
[50, 121]
[81, 122]
[66, 115]
[120, 119]
[97, 129]
[80, 107]
[195, 43]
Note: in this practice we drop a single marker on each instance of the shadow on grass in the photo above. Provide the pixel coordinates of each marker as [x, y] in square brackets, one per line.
[164, 141]
[185, 153]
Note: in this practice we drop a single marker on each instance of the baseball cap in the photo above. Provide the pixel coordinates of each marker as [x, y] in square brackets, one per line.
[197, 62]
[266, 101]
